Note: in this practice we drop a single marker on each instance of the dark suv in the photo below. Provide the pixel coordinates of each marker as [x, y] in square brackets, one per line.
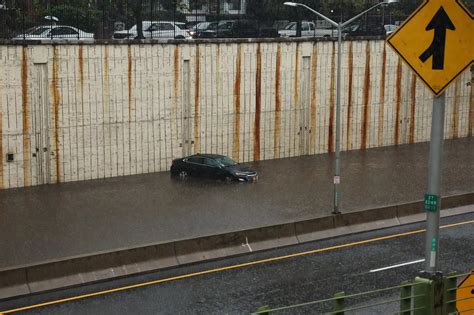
[366, 30]
[239, 29]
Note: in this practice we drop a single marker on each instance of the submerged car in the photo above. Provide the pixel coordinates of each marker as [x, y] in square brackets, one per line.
[55, 32]
[212, 166]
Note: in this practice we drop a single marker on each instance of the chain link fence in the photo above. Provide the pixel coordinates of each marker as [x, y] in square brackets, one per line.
[184, 19]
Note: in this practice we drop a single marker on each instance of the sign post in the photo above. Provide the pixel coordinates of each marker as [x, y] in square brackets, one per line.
[434, 184]
[436, 42]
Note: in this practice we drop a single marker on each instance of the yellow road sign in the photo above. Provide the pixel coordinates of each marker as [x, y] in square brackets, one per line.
[465, 295]
[437, 42]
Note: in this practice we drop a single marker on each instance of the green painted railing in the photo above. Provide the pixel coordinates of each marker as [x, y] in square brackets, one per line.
[426, 295]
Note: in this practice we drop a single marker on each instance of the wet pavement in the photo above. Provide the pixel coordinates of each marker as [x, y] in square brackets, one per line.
[54, 222]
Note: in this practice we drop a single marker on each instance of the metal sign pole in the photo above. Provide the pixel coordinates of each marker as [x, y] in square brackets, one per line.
[432, 197]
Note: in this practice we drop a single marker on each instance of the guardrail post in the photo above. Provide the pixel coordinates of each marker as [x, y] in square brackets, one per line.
[450, 286]
[423, 297]
[338, 307]
[405, 298]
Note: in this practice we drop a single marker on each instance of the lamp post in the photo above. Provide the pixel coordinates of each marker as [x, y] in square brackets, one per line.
[340, 26]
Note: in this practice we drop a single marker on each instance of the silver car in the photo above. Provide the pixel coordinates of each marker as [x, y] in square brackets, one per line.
[55, 32]
[154, 29]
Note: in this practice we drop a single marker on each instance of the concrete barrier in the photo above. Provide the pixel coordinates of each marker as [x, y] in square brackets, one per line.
[69, 272]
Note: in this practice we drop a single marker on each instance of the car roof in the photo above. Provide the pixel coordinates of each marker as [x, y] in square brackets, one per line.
[212, 156]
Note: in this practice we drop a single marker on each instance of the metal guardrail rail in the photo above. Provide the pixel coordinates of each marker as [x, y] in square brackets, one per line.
[421, 296]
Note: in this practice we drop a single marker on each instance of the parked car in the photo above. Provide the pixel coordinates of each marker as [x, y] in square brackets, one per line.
[197, 30]
[155, 29]
[308, 29]
[55, 32]
[212, 166]
[366, 30]
[239, 29]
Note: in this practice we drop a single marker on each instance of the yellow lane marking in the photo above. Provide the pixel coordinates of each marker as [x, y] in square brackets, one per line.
[200, 273]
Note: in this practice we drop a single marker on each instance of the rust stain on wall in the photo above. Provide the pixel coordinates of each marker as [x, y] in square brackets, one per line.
[331, 100]
[56, 100]
[314, 66]
[365, 116]
[81, 67]
[26, 118]
[197, 90]
[236, 138]
[277, 131]
[258, 98]
[455, 116]
[398, 100]
[129, 73]
[382, 97]
[296, 94]
[411, 133]
[350, 65]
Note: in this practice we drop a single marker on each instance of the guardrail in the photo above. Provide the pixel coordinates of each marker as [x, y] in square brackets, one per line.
[425, 295]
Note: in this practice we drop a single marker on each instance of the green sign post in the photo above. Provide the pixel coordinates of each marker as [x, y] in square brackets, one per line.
[431, 203]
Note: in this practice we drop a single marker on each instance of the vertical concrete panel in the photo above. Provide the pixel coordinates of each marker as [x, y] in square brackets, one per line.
[197, 85]
[25, 118]
[56, 98]
[412, 118]
[454, 132]
[314, 100]
[381, 116]
[258, 99]
[398, 104]
[237, 110]
[277, 127]
[365, 100]
[349, 110]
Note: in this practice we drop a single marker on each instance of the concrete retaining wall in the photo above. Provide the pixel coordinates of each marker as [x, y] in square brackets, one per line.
[78, 112]
[53, 275]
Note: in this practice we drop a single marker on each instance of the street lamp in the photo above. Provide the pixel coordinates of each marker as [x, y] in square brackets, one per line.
[340, 26]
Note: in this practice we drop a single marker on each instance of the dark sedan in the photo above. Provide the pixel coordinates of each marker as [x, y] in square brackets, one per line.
[212, 166]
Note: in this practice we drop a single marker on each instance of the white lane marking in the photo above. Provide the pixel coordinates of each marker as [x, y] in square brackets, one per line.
[399, 265]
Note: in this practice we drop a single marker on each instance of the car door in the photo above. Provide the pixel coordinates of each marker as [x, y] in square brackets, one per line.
[305, 30]
[63, 32]
[212, 168]
[196, 166]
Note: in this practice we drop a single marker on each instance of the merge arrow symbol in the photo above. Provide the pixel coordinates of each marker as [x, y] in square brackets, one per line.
[440, 23]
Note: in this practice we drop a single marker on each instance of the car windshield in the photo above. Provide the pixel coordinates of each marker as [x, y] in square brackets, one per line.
[224, 25]
[291, 26]
[225, 161]
[39, 30]
[181, 25]
[202, 26]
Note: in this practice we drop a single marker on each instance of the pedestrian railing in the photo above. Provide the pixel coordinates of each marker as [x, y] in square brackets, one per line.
[425, 295]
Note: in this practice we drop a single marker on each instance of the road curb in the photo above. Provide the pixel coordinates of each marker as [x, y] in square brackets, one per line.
[76, 271]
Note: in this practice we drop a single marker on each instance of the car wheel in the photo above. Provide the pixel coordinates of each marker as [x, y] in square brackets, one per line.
[179, 37]
[183, 174]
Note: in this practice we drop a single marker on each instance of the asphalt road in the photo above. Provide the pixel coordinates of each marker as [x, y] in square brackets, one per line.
[242, 284]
